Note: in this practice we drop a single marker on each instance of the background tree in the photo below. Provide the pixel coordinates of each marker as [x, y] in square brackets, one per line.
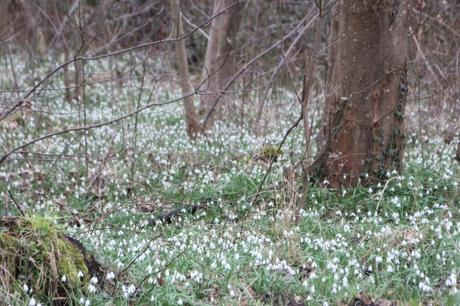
[191, 116]
[219, 62]
[363, 130]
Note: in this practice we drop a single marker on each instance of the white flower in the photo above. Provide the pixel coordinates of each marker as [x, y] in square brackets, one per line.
[396, 201]
[110, 276]
[80, 274]
[452, 280]
[180, 302]
[32, 302]
[25, 288]
[91, 288]
[93, 280]
[196, 276]
[131, 289]
[127, 291]
[424, 287]
[149, 269]
[63, 278]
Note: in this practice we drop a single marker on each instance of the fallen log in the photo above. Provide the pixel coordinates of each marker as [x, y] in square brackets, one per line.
[36, 254]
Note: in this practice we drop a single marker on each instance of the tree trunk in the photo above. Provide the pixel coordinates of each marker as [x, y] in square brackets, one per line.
[4, 4]
[363, 128]
[191, 116]
[219, 60]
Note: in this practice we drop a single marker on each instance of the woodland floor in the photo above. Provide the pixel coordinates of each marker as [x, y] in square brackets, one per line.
[395, 242]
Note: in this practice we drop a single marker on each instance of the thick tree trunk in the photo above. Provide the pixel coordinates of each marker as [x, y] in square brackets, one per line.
[191, 116]
[363, 128]
[219, 60]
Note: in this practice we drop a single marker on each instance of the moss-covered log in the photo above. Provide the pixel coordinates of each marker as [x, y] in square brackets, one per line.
[36, 253]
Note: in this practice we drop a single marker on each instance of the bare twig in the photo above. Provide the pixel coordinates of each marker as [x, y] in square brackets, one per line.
[16, 204]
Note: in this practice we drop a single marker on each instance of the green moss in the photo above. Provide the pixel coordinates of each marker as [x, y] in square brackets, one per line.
[71, 262]
[37, 247]
[270, 152]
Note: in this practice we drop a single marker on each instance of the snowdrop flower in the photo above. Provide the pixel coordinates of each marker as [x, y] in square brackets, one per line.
[25, 288]
[32, 302]
[92, 288]
[452, 280]
[424, 287]
[396, 201]
[196, 276]
[63, 278]
[334, 288]
[93, 280]
[149, 269]
[127, 291]
[131, 289]
[80, 274]
[110, 276]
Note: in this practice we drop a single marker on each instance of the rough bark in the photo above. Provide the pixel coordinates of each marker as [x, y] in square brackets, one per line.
[4, 4]
[191, 116]
[219, 59]
[363, 128]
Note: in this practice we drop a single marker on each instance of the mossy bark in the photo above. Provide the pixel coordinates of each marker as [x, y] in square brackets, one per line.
[34, 251]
